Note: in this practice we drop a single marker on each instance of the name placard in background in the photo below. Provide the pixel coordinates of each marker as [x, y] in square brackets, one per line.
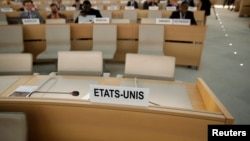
[181, 21]
[70, 8]
[101, 20]
[31, 21]
[163, 21]
[153, 8]
[119, 95]
[129, 8]
[6, 9]
[112, 7]
[171, 8]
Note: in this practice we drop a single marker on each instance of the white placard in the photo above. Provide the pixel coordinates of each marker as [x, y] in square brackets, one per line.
[182, 21]
[86, 19]
[101, 20]
[171, 8]
[112, 7]
[70, 8]
[16, 3]
[31, 21]
[153, 8]
[190, 8]
[6, 9]
[163, 21]
[129, 7]
[119, 95]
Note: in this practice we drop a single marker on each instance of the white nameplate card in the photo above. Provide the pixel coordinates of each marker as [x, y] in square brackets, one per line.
[163, 1]
[31, 21]
[153, 8]
[70, 8]
[119, 95]
[181, 21]
[171, 8]
[129, 8]
[163, 21]
[101, 20]
[112, 7]
[6, 9]
[23, 91]
[190, 8]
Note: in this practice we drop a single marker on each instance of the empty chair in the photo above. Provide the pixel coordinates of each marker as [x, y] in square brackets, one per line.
[11, 40]
[13, 126]
[149, 66]
[57, 39]
[16, 64]
[3, 19]
[130, 14]
[105, 40]
[151, 39]
[55, 21]
[106, 14]
[154, 14]
[80, 63]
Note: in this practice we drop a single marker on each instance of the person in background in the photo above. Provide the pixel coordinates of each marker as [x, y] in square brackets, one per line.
[206, 6]
[55, 13]
[148, 3]
[78, 5]
[132, 3]
[29, 12]
[183, 13]
[60, 5]
[173, 3]
[88, 10]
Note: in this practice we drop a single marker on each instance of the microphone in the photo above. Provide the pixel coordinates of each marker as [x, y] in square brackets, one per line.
[73, 93]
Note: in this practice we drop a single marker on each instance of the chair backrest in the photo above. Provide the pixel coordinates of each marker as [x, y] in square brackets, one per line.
[106, 14]
[11, 40]
[57, 39]
[130, 14]
[80, 63]
[151, 39]
[3, 19]
[13, 126]
[55, 21]
[16, 63]
[154, 14]
[150, 66]
[105, 39]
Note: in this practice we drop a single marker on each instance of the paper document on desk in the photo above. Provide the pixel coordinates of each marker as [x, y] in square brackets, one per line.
[23, 91]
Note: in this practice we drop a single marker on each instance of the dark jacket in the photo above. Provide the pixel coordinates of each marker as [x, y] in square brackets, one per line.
[92, 11]
[188, 15]
[135, 4]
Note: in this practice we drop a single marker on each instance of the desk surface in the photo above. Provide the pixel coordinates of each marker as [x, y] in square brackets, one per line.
[164, 93]
[50, 117]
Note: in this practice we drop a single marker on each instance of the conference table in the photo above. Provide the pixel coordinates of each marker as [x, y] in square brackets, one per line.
[176, 111]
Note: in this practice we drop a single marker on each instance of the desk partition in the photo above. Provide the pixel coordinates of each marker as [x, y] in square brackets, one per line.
[183, 112]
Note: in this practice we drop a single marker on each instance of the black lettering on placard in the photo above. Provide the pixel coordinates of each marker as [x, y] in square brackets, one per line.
[235, 132]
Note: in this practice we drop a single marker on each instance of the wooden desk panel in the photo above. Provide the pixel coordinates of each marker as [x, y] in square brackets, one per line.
[62, 119]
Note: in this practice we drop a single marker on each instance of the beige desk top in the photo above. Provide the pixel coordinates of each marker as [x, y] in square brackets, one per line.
[186, 96]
